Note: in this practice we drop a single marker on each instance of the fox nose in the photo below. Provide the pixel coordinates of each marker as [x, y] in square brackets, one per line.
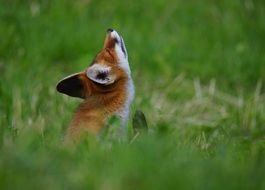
[114, 35]
[110, 30]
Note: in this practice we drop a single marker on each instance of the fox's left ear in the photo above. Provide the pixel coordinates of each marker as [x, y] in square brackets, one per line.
[72, 85]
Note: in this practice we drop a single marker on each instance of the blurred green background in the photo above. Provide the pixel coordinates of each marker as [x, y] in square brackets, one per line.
[199, 72]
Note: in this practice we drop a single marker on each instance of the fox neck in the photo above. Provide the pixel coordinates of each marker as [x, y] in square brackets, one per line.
[93, 113]
[88, 117]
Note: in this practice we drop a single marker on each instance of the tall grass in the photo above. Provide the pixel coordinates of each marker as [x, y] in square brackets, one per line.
[199, 73]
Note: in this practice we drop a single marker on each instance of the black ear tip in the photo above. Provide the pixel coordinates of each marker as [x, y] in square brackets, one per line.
[71, 86]
[60, 87]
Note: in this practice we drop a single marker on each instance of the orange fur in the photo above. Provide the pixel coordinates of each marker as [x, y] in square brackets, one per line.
[100, 101]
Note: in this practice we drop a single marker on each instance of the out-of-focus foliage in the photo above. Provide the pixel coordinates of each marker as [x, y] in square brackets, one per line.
[199, 72]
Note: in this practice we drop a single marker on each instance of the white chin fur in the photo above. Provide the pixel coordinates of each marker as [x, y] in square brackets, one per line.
[124, 64]
[122, 56]
[123, 61]
[115, 34]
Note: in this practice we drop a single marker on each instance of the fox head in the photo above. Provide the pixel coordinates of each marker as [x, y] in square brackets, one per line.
[109, 69]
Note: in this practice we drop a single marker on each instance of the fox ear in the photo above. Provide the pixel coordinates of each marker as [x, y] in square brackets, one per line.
[101, 74]
[72, 86]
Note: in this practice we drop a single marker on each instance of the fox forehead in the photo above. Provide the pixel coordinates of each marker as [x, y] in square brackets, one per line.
[106, 56]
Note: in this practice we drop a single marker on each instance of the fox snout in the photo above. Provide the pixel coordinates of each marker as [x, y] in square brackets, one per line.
[113, 39]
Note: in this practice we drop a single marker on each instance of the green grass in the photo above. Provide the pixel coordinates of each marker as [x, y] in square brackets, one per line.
[199, 72]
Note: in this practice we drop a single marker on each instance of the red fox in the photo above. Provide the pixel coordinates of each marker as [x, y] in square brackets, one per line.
[106, 87]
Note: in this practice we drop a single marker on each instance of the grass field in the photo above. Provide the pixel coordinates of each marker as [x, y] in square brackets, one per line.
[199, 72]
